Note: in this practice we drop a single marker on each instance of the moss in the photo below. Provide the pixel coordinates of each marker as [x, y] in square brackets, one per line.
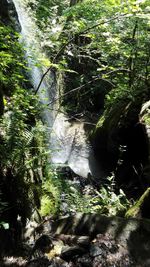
[100, 122]
[145, 113]
[112, 119]
[146, 119]
[141, 207]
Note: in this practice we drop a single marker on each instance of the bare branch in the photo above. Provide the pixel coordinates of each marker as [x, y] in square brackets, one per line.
[117, 70]
[89, 82]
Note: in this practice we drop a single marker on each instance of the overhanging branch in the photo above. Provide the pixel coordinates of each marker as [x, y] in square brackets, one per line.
[69, 41]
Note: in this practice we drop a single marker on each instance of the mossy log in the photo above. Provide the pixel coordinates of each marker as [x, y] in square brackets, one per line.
[141, 207]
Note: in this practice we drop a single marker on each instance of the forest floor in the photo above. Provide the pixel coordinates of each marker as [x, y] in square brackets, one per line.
[116, 242]
[102, 252]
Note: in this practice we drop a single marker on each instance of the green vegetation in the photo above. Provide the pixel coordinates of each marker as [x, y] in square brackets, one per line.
[62, 197]
[90, 200]
[102, 50]
[12, 64]
[23, 156]
[105, 43]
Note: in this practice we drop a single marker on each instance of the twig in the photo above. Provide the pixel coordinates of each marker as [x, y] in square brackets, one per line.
[117, 70]
[73, 90]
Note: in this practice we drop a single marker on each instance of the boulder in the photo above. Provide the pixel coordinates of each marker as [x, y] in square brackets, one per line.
[121, 146]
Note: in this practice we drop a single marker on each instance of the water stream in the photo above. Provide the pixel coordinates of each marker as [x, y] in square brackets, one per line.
[67, 141]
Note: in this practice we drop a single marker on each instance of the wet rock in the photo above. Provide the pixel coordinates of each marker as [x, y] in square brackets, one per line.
[39, 262]
[107, 243]
[56, 250]
[13, 262]
[42, 245]
[8, 14]
[69, 253]
[57, 262]
[95, 251]
[84, 261]
[83, 241]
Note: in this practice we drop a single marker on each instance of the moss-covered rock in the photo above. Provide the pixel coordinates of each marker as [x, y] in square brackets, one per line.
[121, 145]
[141, 207]
[108, 136]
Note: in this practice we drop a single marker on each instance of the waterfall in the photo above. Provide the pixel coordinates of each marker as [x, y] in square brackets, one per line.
[67, 141]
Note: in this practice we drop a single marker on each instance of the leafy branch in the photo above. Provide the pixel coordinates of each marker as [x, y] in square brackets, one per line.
[69, 41]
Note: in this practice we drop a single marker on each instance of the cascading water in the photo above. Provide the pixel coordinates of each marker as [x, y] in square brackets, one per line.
[67, 140]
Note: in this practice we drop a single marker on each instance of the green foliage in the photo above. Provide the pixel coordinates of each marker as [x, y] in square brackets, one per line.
[12, 64]
[74, 201]
[22, 134]
[48, 19]
[133, 55]
[106, 201]
[16, 126]
[105, 43]
[24, 157]
[51, 193]
[146, 119]
[115, 52]
[103, 201]
[22, 154]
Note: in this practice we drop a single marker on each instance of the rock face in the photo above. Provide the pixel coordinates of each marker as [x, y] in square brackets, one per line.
[4, 10]
[121, 146]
